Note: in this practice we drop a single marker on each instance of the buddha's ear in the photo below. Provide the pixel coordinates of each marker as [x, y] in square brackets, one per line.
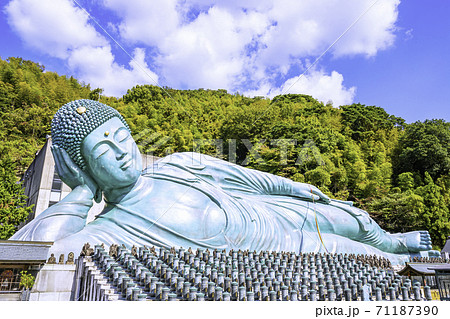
[98, 195]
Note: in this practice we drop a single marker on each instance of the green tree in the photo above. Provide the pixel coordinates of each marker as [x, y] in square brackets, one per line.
[398, 212]
[363, 122]
[26, 280]
[406, 181]
[12, 199]
[436, 217]
[425, 147]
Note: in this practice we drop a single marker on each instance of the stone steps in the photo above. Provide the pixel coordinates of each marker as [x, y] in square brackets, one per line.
[181, 275]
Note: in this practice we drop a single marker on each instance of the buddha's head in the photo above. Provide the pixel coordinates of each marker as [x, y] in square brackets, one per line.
[98, 140]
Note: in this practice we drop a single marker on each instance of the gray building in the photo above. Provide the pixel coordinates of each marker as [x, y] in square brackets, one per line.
[44, 188]
[445, 252]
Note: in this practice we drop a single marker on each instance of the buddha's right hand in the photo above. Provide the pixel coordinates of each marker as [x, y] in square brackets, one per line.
[70, 173]
[309, 192]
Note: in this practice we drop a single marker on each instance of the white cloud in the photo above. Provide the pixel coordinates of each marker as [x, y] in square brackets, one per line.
[210, 52]
[235, 44]
[320, 85]
[250, 46]
[374, 32]
[307, 28]
[408, 34]
[61, 30]
[96, 66]
[53, 26]
[145, 21]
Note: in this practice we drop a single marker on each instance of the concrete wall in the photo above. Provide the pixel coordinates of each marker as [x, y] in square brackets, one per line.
[32, 179]
[54, 282]
[15, 296]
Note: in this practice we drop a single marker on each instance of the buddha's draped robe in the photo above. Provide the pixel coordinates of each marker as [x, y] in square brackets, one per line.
[255, 210]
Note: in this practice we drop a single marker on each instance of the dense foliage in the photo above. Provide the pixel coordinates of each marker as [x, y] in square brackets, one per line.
[12, 199]
[398, 172]
[26, 280]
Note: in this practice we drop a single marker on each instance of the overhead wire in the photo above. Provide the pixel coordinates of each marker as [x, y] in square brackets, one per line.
[316, 220]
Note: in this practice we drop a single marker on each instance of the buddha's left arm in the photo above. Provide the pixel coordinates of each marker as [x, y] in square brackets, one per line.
[235, 178]
[277, 185]
[238, 178]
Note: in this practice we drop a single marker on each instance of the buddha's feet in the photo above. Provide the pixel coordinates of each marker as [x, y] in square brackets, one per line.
[434, 253]
[415, 241]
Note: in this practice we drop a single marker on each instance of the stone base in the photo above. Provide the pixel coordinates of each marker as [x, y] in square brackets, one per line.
[50, 296]
[54, 282]
[14, 296]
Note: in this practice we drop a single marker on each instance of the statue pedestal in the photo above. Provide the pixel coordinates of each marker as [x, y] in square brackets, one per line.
[54, 282]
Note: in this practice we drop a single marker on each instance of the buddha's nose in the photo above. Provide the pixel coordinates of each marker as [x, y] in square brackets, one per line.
[121, 153]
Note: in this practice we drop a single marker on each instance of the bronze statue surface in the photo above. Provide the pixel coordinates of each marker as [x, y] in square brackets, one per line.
[190, 199]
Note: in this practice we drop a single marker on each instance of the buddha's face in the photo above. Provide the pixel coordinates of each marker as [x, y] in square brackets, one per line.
[112, 156]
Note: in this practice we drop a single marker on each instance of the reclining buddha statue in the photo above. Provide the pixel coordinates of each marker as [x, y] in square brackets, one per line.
[192, 200]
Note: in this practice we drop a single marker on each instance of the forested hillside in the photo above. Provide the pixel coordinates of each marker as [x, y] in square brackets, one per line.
[398, 172]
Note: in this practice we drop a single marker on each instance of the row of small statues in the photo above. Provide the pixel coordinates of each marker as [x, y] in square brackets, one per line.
[372, 260]
[70, 259]
[429, 260]
[113, 250]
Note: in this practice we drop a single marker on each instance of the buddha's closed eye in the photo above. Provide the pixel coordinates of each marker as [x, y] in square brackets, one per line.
[101, 150]
[122, 135]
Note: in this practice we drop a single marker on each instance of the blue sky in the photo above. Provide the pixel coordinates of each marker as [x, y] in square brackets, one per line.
[389, 53]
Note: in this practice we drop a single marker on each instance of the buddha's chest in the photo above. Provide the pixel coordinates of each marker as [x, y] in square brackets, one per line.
[182, 209]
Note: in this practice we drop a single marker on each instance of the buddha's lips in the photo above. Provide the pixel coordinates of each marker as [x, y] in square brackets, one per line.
[126, 164]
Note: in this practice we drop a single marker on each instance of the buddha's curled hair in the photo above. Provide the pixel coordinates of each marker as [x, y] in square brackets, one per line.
[75, 120]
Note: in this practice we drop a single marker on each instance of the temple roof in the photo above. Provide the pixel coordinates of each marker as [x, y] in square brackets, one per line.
[440, 267]
[421, 269]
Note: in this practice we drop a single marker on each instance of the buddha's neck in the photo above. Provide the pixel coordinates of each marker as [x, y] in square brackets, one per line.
[115, 195]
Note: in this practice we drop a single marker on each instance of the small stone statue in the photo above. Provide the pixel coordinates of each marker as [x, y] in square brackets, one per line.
[87, 250]
[70, 259]
[113, 250]
[134, 251]
[61, 259]
[52, 259]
